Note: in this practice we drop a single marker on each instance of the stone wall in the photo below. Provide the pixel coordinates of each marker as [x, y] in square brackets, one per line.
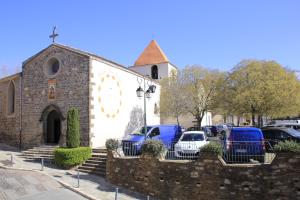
[10, 123]
[72, 90]
[207, 178]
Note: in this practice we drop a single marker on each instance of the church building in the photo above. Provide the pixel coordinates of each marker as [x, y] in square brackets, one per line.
[34, 103]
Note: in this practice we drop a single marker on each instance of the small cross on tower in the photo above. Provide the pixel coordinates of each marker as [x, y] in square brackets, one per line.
[54, 35]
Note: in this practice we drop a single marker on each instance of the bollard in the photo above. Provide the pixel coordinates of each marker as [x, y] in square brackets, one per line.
[42, 164]
[11, 160]
[148, 197]
[116, 195]
[78, 177]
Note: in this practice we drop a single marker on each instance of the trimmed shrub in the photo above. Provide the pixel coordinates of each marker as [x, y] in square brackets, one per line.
[70, 157]
[212, 147]
[287, 146]
[112, 144]
[73, 128]
[153, 147]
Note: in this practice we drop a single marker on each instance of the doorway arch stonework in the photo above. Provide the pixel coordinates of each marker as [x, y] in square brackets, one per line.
[52, 120]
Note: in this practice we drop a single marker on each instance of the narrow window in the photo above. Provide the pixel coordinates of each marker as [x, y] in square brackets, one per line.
[11, 98]
[154, 72]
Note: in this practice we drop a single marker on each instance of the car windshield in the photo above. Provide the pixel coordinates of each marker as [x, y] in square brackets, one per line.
[192, 137]
[246, 135]
[293, 132]
[141, 131]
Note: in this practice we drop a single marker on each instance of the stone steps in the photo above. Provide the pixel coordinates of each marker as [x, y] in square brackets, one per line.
[96, 164]
[100, 150]
[97, 161]
[37, 153]
[96, 172]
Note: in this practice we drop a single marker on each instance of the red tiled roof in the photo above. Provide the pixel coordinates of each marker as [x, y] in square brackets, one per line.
[152, 55]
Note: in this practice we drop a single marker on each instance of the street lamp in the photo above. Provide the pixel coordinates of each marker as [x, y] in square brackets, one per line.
[140, 92]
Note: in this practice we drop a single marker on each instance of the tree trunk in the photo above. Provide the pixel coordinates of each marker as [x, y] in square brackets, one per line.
[253, 115]
[199, 121]
[259, 121]
[177, 120]
[238, 120]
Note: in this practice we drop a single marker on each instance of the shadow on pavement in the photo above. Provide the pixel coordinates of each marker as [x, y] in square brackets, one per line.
[103, 185]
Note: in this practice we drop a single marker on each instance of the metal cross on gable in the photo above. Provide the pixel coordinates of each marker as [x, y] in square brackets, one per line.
[54, 35]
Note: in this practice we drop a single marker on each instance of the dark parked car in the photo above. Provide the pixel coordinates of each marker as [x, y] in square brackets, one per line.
[295, 126]
[219, 130]
[243, 144]
[273, 135]
[207, 130]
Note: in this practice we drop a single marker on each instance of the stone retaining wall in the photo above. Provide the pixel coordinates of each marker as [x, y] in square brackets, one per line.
[207, 178]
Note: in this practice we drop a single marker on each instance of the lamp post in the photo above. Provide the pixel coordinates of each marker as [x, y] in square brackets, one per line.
[140, 92]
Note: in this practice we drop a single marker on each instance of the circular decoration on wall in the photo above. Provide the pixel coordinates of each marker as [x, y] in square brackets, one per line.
[110, 95]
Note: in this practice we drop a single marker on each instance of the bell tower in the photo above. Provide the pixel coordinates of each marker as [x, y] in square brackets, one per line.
[153, 62]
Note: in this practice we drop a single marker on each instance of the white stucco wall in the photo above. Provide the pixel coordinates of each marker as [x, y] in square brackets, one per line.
[114, 107]
[164, 69]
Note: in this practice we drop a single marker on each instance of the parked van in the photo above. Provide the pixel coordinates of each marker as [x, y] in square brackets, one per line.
[243, 144]
[168, 134]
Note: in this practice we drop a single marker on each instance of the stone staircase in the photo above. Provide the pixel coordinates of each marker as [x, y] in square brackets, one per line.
[96, 164]
[37, 153]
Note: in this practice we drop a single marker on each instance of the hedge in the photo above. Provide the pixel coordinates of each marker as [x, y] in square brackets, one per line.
[73, 128]
[212, 147]
[112, 144]
[153, 147]
[287, 146]
[70, 157]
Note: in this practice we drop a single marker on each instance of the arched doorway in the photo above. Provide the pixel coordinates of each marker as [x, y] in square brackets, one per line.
[53, 128]
[52, 125]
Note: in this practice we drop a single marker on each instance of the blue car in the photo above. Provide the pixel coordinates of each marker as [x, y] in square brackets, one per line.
[243, 144]
[168, 134]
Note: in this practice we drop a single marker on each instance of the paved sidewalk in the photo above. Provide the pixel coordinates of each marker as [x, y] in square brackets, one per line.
[94, 187]
[31, 185]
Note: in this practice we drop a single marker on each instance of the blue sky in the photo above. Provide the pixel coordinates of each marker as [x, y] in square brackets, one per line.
[215, 34]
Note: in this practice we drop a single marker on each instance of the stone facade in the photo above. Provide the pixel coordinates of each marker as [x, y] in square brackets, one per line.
[72, 91]
[59, 78]
[207, 178]
[10, 123]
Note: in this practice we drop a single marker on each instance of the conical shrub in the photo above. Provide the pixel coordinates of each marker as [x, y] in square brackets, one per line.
[73, 128]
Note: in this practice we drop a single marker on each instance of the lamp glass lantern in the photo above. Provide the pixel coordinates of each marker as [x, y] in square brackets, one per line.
[139, 92]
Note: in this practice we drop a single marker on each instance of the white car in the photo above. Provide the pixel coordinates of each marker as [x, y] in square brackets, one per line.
[189, 144]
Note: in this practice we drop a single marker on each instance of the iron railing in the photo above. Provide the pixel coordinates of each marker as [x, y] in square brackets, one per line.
[232, 152]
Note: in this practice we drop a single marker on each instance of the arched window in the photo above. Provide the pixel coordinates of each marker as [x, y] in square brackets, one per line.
[11, 98]
[154, 72]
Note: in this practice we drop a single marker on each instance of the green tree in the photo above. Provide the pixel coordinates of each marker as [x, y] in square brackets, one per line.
[260, 88]
[171, 98]
[73, 128]
[200, 90]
